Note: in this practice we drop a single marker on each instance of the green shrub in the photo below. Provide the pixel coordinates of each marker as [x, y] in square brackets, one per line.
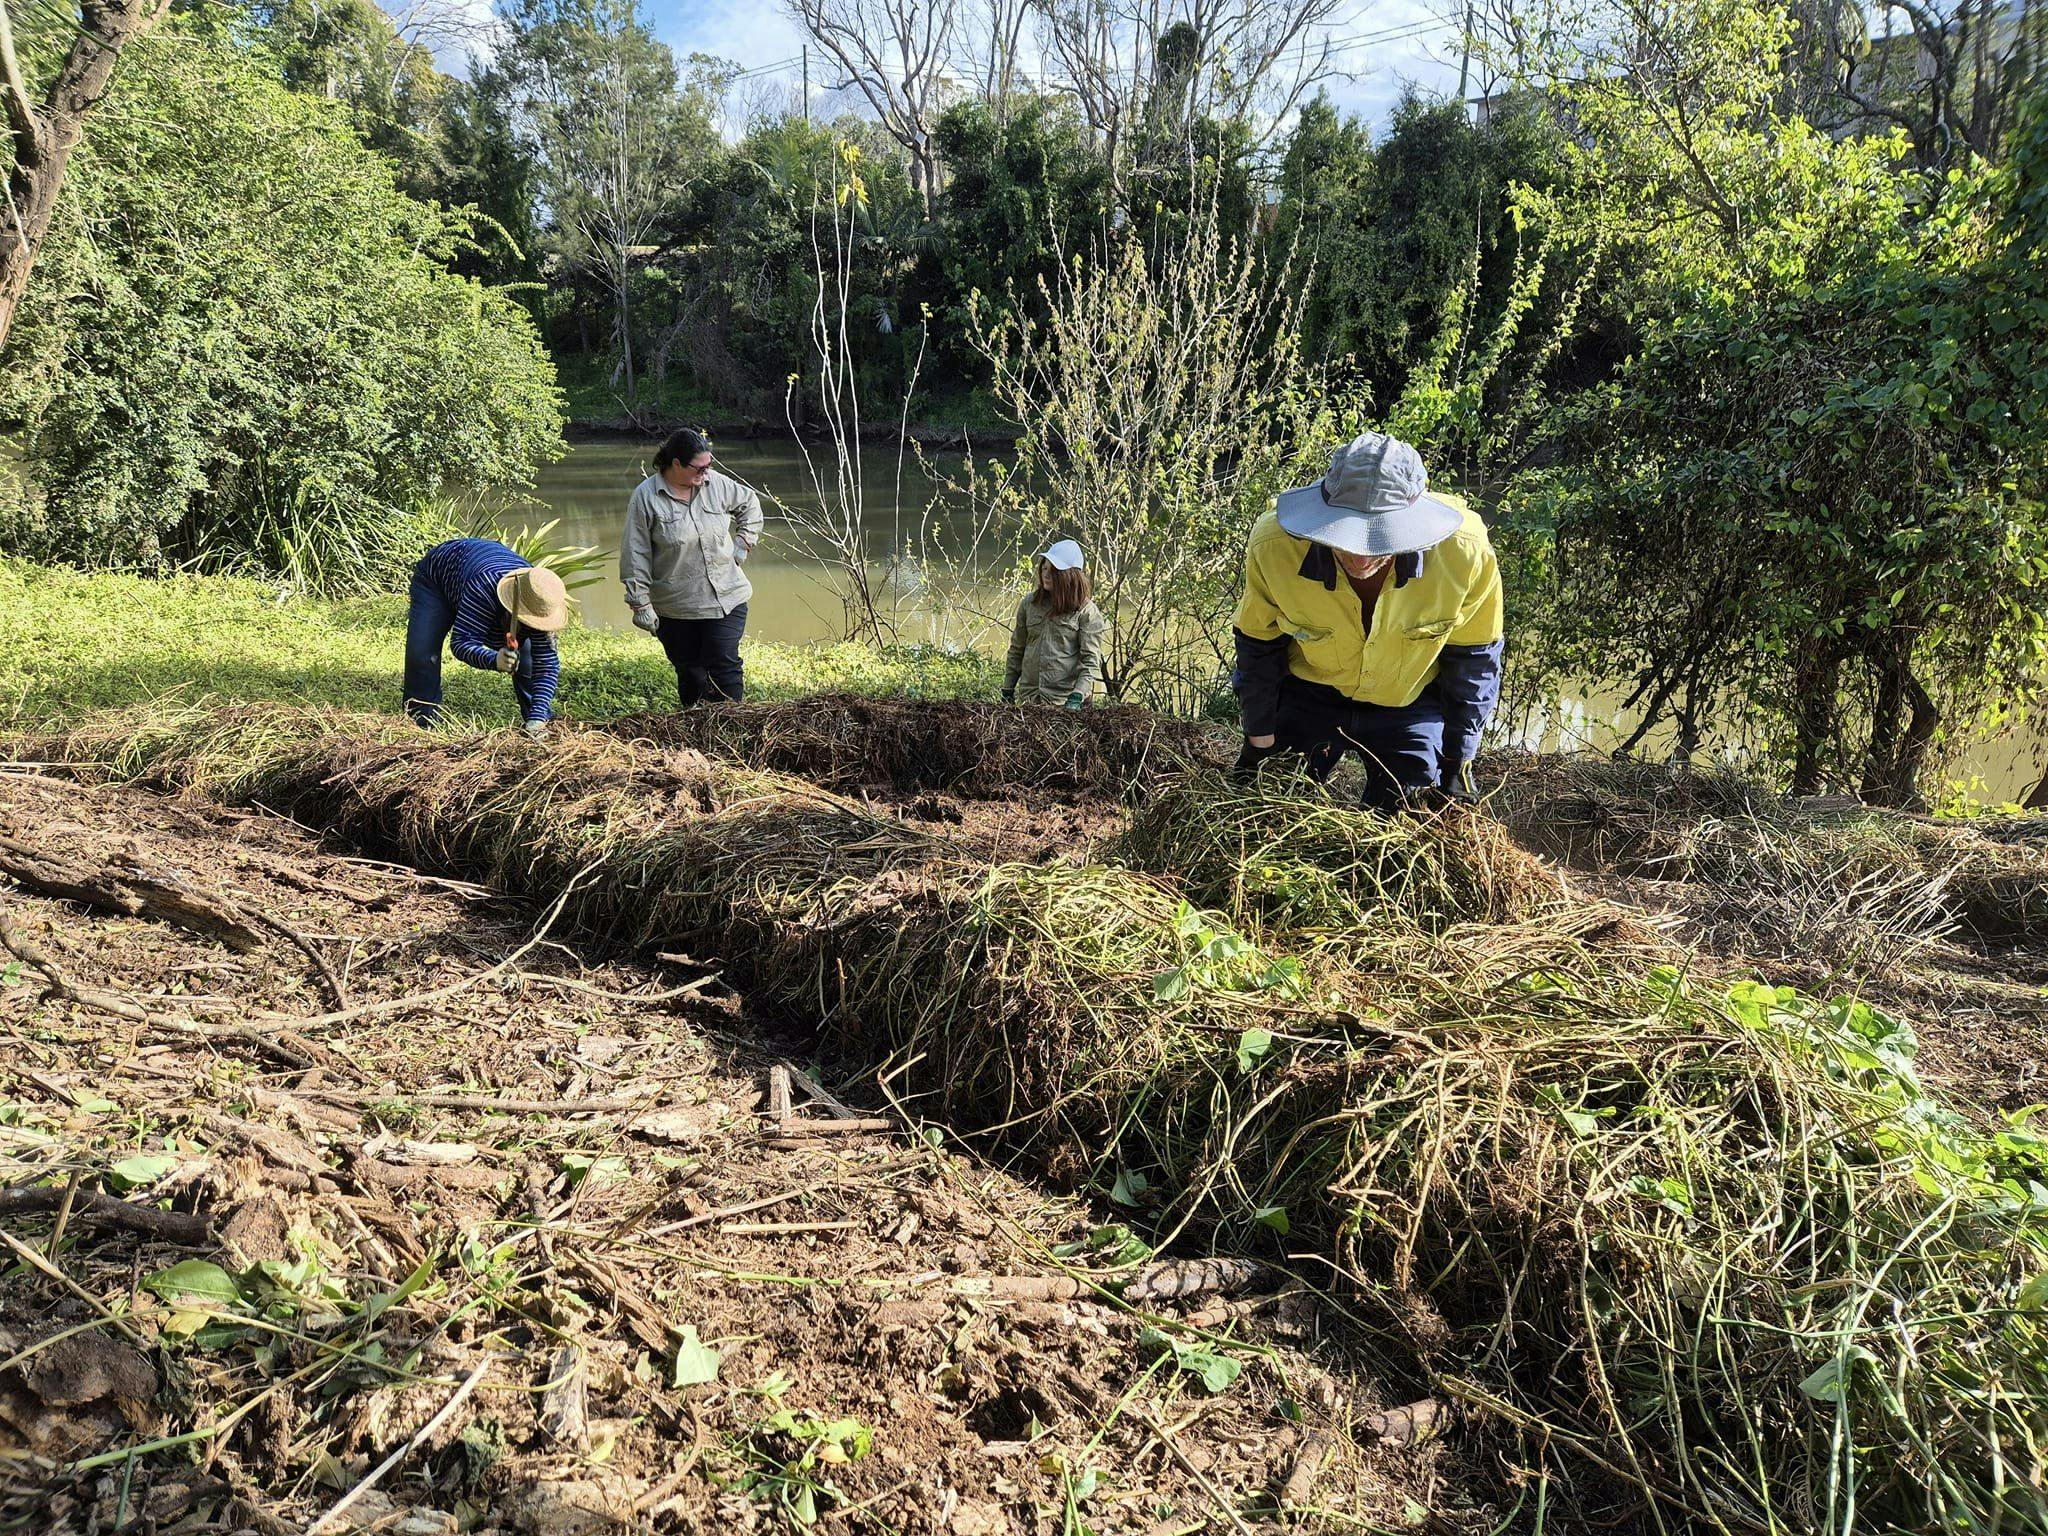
[242, 345]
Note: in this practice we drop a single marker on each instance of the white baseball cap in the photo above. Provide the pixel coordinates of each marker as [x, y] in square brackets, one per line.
[1063, 556]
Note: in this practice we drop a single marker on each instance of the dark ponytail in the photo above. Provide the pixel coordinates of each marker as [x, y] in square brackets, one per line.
[682, 446]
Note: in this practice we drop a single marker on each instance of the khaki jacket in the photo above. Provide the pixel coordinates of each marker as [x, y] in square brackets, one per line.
[1054, 655]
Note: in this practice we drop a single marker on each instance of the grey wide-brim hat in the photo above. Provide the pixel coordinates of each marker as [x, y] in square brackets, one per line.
[1374, 501]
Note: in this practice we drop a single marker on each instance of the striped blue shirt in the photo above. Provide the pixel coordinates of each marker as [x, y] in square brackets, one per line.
[466, 573]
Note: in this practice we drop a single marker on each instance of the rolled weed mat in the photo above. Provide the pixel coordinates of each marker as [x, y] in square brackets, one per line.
[1860, 888]
[1283, 854]
[1994, 873]
[1714, 1242]
[963, 746]
[645, 844]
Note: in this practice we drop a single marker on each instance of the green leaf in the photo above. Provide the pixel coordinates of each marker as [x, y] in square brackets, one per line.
[1170, 986]
[1831, 1383]
[1274, 1216]
[194, 1280]
[696, 1361]
[1217, 1372]
[579, 1166]
[1252, 1045]
[143, 1168]
[1130, 1184]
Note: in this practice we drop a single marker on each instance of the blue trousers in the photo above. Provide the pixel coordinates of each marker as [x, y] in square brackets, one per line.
[706, 656]
[429, 617]
[1402, 746]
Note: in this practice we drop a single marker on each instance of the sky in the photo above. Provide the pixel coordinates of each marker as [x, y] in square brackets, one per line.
[1383, 45]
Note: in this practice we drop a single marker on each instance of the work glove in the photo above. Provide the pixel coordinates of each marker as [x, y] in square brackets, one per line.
[537, 729]
[1457, 785]
[647, 619]
[1249, 757]
[1075, 701]
[508, 658]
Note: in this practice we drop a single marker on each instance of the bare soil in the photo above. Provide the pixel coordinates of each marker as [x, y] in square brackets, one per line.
[429, 1146]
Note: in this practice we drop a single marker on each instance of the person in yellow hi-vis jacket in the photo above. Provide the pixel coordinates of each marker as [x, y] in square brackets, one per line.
[1371, 622]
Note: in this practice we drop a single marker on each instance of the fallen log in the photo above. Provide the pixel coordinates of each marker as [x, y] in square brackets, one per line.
[1194, 1277]
[137, 893]
[1409, 1424]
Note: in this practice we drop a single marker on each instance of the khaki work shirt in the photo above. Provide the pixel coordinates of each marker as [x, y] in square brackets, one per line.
[682, 558]
[1052, 654]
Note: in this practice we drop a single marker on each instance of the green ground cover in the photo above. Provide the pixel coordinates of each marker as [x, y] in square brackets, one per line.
[72, 642]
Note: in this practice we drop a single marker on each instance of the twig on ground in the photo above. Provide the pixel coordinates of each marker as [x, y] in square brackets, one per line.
[265, 1037]
[481, 1102]
[181, 1227]
[1165, 1438]
[336, 992]
[425, 1431]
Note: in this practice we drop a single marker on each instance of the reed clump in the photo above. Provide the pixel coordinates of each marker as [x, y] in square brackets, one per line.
[1709, 1248]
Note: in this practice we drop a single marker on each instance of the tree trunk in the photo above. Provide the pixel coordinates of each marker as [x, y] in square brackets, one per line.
[1921, 722]
[624, 321]
[1902, 726]
[1815, 682]
[44, 135]
[1881, 752]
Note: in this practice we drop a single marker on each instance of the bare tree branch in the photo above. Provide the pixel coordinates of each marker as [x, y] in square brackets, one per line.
[895, 53]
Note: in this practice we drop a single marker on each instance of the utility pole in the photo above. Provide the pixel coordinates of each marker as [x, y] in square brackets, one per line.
[807, 84]
[1465, 58]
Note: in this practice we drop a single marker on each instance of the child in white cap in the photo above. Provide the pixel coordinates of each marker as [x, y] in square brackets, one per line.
[1056, 646]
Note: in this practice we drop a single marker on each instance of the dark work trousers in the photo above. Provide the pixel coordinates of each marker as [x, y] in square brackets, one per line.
[1402, 745]
[706, 656]
[429, 617]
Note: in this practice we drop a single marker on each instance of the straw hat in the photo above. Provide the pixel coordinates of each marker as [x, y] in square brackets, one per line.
[535, 597]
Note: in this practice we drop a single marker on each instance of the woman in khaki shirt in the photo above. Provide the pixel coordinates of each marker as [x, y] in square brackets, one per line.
[688, 531]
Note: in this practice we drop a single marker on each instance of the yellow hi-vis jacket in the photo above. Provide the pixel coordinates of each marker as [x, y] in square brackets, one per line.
[1439, 612]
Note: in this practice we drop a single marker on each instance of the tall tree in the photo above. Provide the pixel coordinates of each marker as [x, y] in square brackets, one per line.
[1952, 73]
[44, 131]
[619, 138]
[896, 53]
[1247, 62]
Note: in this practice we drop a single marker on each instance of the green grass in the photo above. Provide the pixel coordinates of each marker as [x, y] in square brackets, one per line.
[72, 642]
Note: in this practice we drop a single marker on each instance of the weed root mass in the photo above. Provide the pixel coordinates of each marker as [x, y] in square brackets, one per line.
[1695, 1250]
